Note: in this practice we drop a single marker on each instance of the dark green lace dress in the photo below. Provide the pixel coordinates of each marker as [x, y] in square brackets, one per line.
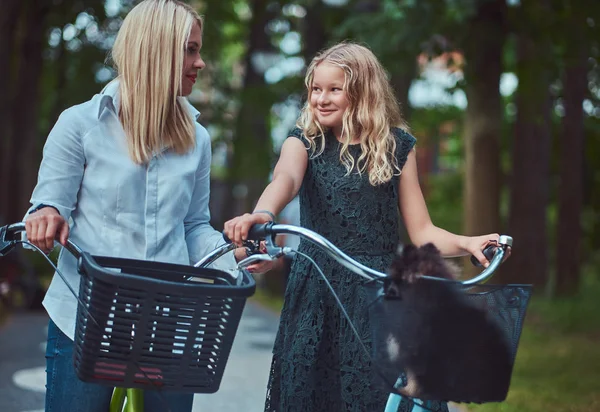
[318, 364]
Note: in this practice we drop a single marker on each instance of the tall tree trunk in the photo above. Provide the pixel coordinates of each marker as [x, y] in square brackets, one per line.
[569, 231]
[25, 109]
[313, 31]
[251, 160]
[401, 82]
[483, 121]
[531, 150]
[8, 21]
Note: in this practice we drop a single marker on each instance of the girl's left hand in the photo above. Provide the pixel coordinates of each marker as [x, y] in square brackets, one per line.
[255, 268]
[474, 245]
[261, 268]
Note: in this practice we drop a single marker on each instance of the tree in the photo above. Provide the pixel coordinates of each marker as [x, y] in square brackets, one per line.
[483, 49]
[8, 21]
[30, 38]
[570, 201]
[531, 146]
[251, 160]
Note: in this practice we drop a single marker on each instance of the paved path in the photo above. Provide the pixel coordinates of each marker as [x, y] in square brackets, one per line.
[22, 365]
[245, 380]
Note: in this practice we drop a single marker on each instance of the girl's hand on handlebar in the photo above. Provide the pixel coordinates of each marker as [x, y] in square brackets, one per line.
[261, 267]
[237, 228]
[44, 226]
[256, 268]
[475, 245]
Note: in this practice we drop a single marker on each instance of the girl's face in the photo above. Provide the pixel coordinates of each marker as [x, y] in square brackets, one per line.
[328, 97]
[192, 61]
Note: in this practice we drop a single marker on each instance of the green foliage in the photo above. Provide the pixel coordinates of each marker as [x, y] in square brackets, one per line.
[444, 200]
[557, 363]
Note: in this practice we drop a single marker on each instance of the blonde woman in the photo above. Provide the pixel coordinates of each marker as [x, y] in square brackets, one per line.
[129, 170]
[352, 163]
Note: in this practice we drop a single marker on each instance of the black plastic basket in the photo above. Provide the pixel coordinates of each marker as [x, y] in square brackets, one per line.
[145, 325]
[444, 341]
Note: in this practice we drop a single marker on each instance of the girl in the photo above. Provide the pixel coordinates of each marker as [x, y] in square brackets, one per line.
[352, 162]
[130, 169]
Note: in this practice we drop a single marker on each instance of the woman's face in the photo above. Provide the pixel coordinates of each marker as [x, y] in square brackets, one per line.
[192, 61]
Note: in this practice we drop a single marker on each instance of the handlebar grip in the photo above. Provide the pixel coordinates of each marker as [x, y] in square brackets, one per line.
[256, 232]
[488, 252]
[260, 231]
[226, 238]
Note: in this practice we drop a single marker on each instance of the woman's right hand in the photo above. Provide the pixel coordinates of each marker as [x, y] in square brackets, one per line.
[237, 228]
[44, 226]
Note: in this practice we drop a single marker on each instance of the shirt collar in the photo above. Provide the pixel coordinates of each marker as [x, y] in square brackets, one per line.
[111, 100]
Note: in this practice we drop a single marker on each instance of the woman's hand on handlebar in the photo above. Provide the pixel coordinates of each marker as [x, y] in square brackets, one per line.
[44, 226]
[237, 228]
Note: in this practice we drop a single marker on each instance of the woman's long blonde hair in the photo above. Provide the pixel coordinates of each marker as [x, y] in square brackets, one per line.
[372, 111]
[148, 55]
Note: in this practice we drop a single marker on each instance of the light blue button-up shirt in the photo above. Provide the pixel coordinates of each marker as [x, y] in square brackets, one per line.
[157, 211]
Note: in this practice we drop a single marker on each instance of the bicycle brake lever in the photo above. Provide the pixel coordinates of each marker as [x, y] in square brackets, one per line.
[272, 254]
[6, 245]
[263, 257]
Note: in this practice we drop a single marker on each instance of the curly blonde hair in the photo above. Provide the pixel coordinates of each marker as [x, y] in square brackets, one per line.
[372, 112]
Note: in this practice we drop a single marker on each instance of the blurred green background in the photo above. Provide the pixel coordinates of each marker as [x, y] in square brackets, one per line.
[503, 97]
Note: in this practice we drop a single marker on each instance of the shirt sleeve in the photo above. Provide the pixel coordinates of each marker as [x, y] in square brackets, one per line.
[62, 167]
[200, 236]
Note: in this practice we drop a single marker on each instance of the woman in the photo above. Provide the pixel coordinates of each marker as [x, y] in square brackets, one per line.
[126, 174]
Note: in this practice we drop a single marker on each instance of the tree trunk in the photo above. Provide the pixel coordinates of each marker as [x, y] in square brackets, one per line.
[25, 108]
[313, 31]
[8, 21]
[251, 160]
[483, 121]
[401, 82]
[569, 231]
[531, 151]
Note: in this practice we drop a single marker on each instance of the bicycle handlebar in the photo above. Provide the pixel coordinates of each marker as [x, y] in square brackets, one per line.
[269, 230]
[6, 240]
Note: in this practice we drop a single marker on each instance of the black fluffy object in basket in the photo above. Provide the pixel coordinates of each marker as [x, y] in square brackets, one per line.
[441, 340]
[156, 329]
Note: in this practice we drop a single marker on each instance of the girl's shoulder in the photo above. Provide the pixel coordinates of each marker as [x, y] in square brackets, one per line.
[297, 133]
[403, 137]
[405, 142]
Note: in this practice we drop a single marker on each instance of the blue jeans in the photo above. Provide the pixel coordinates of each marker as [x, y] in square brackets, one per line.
[66, 393]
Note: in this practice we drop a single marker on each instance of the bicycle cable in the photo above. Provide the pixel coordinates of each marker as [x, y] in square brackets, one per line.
[353, 328]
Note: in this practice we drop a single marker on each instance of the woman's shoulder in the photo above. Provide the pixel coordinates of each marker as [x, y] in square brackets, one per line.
[202, 134]
[81, 117]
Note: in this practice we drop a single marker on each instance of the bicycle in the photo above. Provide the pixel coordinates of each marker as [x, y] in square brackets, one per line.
[502, 307]
[102, 292]
[150, 326]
